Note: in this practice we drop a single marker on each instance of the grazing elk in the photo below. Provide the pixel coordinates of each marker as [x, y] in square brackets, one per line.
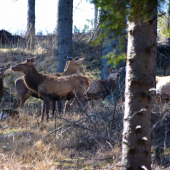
[99, 89]
[2, 70]
[23, 93]
[49, 87]
[163, 87]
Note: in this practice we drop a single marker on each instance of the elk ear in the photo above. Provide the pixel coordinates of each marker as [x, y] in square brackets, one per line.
[28, 59]
[69, 58]
[109, 69]
[78, 62]
[66, 66]
[32, 59]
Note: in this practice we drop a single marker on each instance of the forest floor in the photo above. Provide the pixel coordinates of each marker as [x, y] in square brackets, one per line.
[80, 140]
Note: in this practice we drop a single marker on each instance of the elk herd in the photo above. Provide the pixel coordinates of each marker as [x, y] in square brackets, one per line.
[69, 85]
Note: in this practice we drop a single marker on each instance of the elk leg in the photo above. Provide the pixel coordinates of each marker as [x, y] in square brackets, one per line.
[21, 100]
[47, 106]
[67, 104]
[59, 107]
[53, 107]
[43, 110]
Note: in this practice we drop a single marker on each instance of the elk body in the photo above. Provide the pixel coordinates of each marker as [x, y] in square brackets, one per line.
[2, 70]
[49, 87]
[99, 89]
[163, 86]
[23, 93]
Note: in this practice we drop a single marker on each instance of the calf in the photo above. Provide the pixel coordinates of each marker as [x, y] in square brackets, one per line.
[99, 89]
[2, 70]
[23, 93]
[50, 87]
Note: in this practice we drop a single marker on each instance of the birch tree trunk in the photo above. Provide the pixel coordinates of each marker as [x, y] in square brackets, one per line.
[64, 32]
[140, 78]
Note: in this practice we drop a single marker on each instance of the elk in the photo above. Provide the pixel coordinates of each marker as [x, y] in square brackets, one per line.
[50, 87]
[2, 70]
[99, 89]
[23, 93]
[163, 87]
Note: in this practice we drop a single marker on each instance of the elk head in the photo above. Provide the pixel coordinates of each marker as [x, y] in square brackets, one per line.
[73, 65]
[24, 66]
[114, 72]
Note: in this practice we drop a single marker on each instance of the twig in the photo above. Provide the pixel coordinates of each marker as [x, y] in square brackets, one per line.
[77, 7]
[74, 123]
[69, 124]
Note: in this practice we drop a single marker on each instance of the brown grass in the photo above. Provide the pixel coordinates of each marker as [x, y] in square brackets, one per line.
[86, 139]
[80, 139]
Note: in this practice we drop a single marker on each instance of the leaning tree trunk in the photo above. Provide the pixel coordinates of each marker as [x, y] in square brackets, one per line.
[140, 79]
[31, 22]
[64, 32]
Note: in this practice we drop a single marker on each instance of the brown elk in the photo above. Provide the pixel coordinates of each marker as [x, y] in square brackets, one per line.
[49, 87]
[2, 70]
[99, 89]
[23, 93]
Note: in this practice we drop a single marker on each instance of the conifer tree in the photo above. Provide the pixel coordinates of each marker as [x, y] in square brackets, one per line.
[141, 18]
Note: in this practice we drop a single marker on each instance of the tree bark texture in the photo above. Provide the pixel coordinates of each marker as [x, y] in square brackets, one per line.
[31, 18]
[140, 79]
[64, 32]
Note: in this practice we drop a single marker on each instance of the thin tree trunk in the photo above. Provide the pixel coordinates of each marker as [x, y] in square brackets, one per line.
[64, 32]
[95, 17]
[109, 47]
[140, 79]
[31, 22]
[168, 24]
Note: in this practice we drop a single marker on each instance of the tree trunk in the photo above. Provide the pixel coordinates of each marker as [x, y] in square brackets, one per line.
[168, 24]
[31, 22]
[95, 17]
[64, 32]
[104, 73]
[140, 78]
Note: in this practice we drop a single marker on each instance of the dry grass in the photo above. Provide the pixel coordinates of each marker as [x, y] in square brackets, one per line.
[90, 138]
[82, 140]
[77, 143]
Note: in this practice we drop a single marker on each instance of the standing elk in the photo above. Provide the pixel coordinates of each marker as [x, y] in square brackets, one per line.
[50, 87]
[23, 93]
[2, 70]
[99, 89]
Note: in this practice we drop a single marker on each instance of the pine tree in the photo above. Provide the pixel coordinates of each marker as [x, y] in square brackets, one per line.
[141, 18]
[64, 32]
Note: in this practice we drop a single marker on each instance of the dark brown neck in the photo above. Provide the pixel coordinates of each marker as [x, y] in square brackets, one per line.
[32, 78]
